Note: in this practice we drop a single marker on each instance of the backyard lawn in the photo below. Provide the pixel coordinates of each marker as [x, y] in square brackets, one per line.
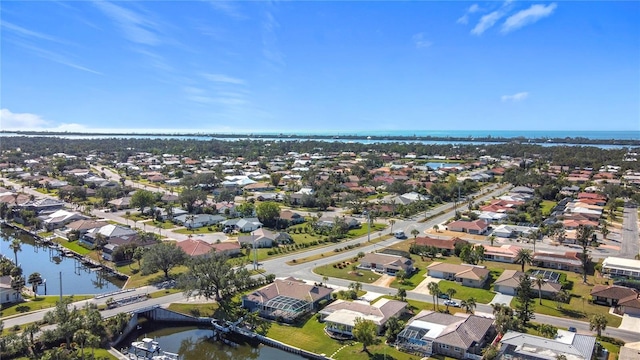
[546, 206]
[412, 282]
[483, 296]
[334, 271]
[73, 246]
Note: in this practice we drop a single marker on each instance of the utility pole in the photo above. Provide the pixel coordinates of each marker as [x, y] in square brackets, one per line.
[255, 253]
[368, 226]
[60, 286]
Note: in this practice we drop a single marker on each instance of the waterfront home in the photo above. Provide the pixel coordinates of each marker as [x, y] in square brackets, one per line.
[568, 261]
[340, 316]
[467, 275]
[515, 345]
[7, 293]
[386, 263]
[509, 280]
[110, 233]
[286, 299]
[198, 247]
[60, 218]
[616, 267]
[460, 336]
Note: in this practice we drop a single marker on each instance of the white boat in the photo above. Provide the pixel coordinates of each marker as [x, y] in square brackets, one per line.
[166, 356]
[147, 345]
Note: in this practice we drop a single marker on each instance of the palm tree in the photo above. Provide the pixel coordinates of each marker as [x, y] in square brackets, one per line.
[402, 294]
[450, 292]
[524, 257]
[434, 290]
[80, 337]
[598, 322]
[469, 305]
[31, 330]
[35, 280]
[15, 246]
[415, 233]
[539, 281]
[93, 341]
[391, 222]
[492, 238]
[436, 228]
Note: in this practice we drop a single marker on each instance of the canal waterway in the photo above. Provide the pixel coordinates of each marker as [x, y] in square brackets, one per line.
[77, 279]
[193, 343]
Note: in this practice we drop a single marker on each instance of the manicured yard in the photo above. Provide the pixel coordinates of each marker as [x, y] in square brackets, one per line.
[464, 292]
[136, 279]
[201, 230]
[363, 276]
[546, 206]
[412, 282]
[98, 353]
[73, 246]
[193, 309]
[41, 302]
[161, 224]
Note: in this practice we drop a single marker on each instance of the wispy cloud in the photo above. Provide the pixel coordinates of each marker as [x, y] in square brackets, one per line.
[27, 121]
[135, 26]
[527, 17]
[55, 57]
[464, 19]
[489, 20]
[270, 48]
[420, 41]
[228, 8]
[515, 97]
[26, 33]
[221, 78]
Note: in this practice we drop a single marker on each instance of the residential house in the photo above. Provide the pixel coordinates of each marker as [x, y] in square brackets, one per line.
[248, 224]
[468, 275]
[515, 345]
[611, 294]
[445, 246]
[385, 263]
[198, 220]
[7, 293]
[476, 227]
[121, 203]
[616, 267]
[109, 233]
[505, 253]
[509, 280]
[290, 217]
[81, 226]
[43, 206]
[340, 316]
[286, 299]
[198, 247]
[508, 231]
[567, 261]
[263, 238]
[60, 218]
[629, 305]
[460, 336]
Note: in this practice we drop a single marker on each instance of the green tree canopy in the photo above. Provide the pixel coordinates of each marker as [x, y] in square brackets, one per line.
[163, 256]
[213, 277]
[364, 331]
[142, 199]
[268, 212]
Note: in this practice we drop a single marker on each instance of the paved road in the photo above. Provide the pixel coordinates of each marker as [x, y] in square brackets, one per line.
[630, 244]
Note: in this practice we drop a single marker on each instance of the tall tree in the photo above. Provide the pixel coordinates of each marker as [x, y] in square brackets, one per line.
[434, 290]
[539, 281]
[524, 257]
[524, 301]
[35, 280]
[268, 212]
[469, 305]
[16, 246]
[80, 337]
[394, 325]
[163, 256]
[598, 322]
[142, 199]
[190, 196]
[401, 294]
[584, 235]
[68, 320]
[213, 277]
[364, 331]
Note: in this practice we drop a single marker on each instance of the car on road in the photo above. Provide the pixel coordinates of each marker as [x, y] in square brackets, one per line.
[452, 303]
[573, 329]
[443, 296]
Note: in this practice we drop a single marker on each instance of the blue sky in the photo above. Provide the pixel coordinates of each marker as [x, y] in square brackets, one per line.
[255, 66]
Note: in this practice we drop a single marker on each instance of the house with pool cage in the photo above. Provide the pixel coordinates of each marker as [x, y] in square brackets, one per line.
[286, 299]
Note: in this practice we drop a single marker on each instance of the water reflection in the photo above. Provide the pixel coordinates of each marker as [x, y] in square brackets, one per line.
[77, 279]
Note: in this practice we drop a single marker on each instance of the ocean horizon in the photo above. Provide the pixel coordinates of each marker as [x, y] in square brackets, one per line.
[528, 134]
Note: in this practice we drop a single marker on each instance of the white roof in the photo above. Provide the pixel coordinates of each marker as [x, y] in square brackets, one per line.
[621, 263]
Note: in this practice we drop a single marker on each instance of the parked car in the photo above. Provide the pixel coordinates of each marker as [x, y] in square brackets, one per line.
[443, 296]
[572, 329]
[452, 303]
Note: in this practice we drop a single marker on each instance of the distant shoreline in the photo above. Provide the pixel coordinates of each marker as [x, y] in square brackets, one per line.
[577, 140]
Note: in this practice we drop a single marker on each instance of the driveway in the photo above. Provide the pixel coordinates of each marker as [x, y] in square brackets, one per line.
[422, 287]
[631, 323]
[501, 299]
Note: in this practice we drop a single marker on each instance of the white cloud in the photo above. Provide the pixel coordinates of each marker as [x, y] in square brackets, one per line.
[515, 97]
[487, 21]
[14, 121]
[464, 19]
[56, 57]
[228, 8]
[420, 41]
[221, 78]
[18, 30]
[135, 27]
[527, 17]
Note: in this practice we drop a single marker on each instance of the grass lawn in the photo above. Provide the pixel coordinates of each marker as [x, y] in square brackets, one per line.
[346, 273]
[161, 224]
[41, 302]
[194, 309]
[136, 279]
[332, 253]
[546, 206]
[73, 246]
[354, 233]
[412, 282]
[161, 293]
[98, 353]
[464, 292]
[201, 230]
